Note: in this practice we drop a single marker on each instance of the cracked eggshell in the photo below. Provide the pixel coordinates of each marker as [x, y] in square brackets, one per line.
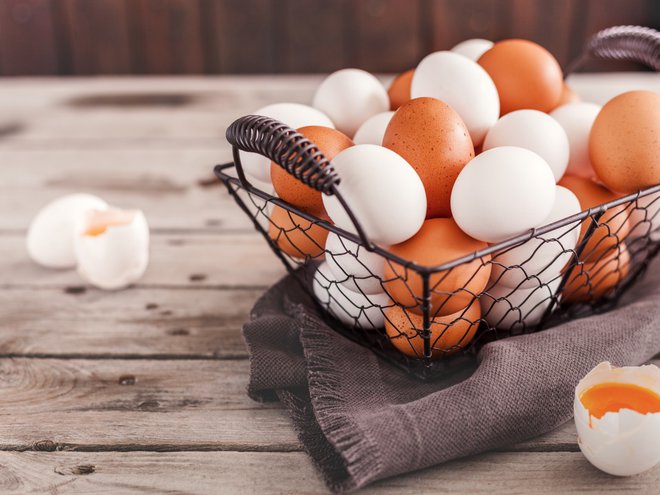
[621, 443]
[354, 309]
[112, 247]
[51, 233]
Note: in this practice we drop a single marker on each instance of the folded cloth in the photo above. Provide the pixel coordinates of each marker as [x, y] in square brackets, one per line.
[361, 419]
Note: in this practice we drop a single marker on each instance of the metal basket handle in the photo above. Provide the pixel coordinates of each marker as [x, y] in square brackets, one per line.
[632, 43]
[293, 152]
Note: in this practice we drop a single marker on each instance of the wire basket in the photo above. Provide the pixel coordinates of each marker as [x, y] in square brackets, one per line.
[430, 319]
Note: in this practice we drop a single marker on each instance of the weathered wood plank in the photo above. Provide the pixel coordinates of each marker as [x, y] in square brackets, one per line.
[231, 260]
[135, 405]
[150, 323]
[279, 473]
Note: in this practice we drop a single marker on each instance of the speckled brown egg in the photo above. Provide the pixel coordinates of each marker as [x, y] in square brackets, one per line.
[449, 334]
[526, 75]
[330, 142]
[613, 226]
[624, 144]
[432, 138]
[439, 241]
[399, 90]
[295, 235]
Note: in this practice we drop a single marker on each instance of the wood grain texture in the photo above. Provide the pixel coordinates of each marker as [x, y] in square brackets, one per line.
[282, 473]
[27, 38]
[98, 36]
[169, 38]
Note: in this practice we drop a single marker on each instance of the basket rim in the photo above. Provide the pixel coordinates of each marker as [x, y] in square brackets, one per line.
[221, 172]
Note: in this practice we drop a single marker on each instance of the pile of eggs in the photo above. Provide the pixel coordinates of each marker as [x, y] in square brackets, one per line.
[473, 146]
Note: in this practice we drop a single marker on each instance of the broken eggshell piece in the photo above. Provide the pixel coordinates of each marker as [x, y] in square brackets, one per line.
[112, 247]
[622, 443]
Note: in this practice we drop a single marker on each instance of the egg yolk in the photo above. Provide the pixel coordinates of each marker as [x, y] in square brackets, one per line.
[612, 397]
[100, 221]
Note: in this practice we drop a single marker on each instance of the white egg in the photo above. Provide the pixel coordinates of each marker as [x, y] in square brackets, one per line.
[541, 259]
[351, 308]
[535, 131]
[354, 266]
[350, 97]
[577, 119]
[473, 49]
[384, 192]
[112, 247]
[501, 193]
[51, 232]
[645, 217]
[505, 308]
[464, 85]
[295, 115]
[373, 129]
[622, 443]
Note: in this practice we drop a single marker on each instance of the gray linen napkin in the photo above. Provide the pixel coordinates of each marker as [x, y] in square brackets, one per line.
[362, 420]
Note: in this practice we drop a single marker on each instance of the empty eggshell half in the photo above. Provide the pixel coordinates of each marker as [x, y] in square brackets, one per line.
[622, 443]
[51, 233]
[112, 247]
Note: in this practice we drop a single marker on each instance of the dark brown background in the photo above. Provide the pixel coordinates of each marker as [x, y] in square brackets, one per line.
[62, 37]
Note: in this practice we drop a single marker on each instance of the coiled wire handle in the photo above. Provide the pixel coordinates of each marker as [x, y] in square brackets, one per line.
[633, 43]
[293, 152]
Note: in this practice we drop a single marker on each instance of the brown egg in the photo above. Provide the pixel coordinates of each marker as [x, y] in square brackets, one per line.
[399, 91]
[449, 334]
[438, 241]
[568, 96]
[296, 236]
[596, 279]
[330, 142]
[432, 138]
[613, 226]
[624, 144]
[526, 75]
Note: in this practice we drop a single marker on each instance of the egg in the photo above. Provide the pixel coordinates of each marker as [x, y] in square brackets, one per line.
[535, 131]
[613, 225]
[353, 309]
[623, 143]
[449, 334]
[617, 417]
[399, 90]
[51, 233]
[432, 138]
[598, 276]
[577, 120]
[526, 75]
[438, 241]
[384, 192]
[349, 97]
[473, 49]
[502, 192]
[112, 247]
[294, 115]
[645, 217]
[329, 142]
[517, 309]
[541, 259]
[353, 265]
[463, 85]
[567, 96]
[373, 129]
[295, 235]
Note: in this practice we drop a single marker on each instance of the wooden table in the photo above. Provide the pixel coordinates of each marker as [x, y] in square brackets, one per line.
[143, 390]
